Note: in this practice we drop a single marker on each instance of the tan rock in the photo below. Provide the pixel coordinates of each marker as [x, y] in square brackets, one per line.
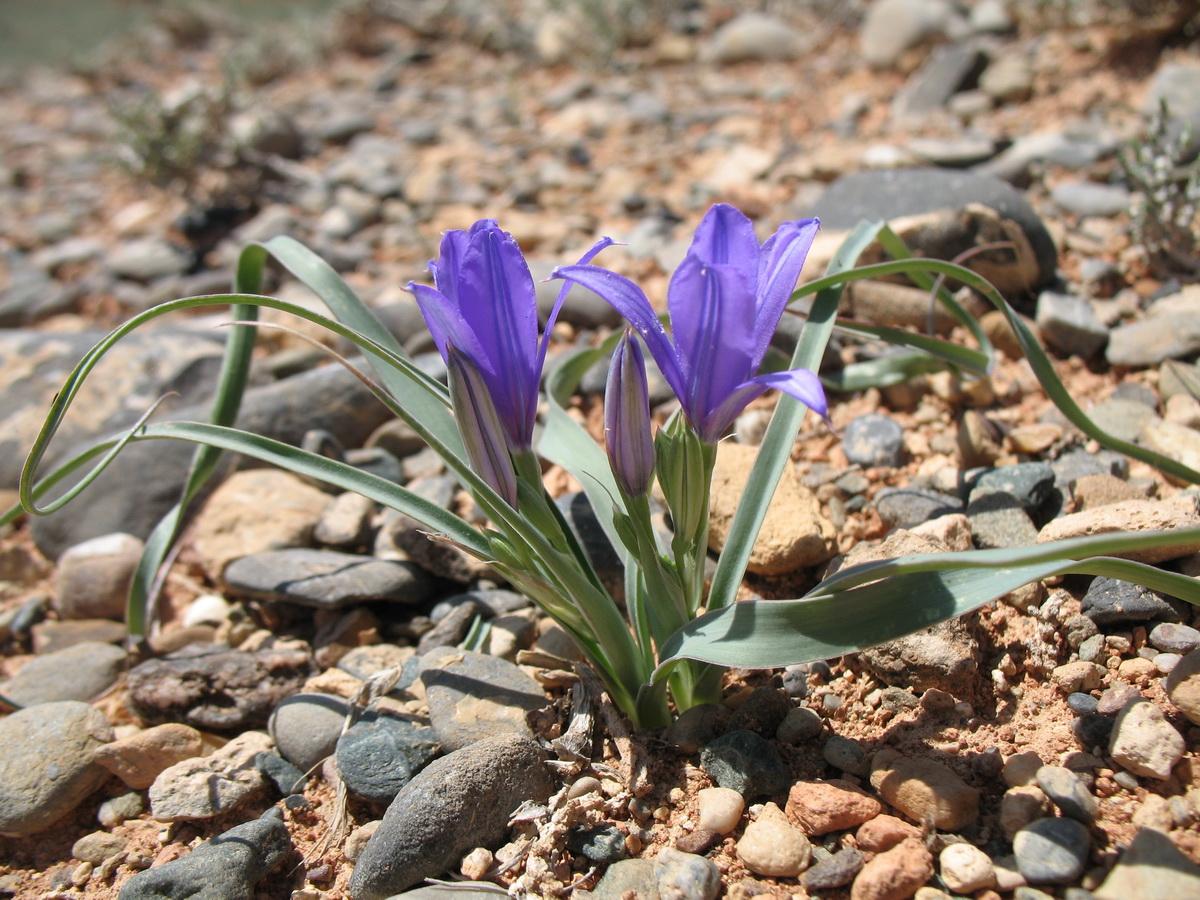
[1183, 409]
[720, 809]
[895, 874]
[1183, 686]
[253, 511]
[999, 332]
[900, 306]
[924, 790]
[953, 531]
[208, 786]
[966, 869]
[1144, 742]
[794, 534]
[1021, 768]
[773, 847]
[1175, 441]
[1102, 489]
[883, 833]
[1180, 511]
[1078, 676]
[139, 759]
[1037, 437]
[1137, 671]
[1021, 805]
[820, 807]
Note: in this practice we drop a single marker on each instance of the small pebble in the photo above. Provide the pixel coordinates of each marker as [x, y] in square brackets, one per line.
[833, 871]
[773, 847]
[966, 869]
[1174, 638]
[720, 809]
[1068, 792]
[1082, 704]
[1052, 851]
[847, 755]
[799, 726]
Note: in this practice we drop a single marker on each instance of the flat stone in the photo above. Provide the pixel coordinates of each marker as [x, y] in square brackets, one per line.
[205, 787]
[98, 846]
[1122, 418]
[1180, 511]
[453, 805]
[1173, 440]
[80, 672]
[225, 868]
[326, 579]
[754, 36]
[472, 696]
[945, 656]
[380, 754]
[946, 71]
[1087, 198]
[1151, 866]
[53, 636]
[217, 689]
[306, 727]
[966, 869]
[629, 877]
[820, 807]
[1052, 851]
[998, 520]
[846, 755]
[1169, 330]
[140, 758]
[1069, 324]
[745, 762]
[908, 507]
[1031, 484]
[687, 875]
[1144, 742]
[897, 872]
[145, 259]
[1109, 601]
[924, 789]
[1183, 686]
[834, 871]
[48, 764]
[795, 533]
[412, 539]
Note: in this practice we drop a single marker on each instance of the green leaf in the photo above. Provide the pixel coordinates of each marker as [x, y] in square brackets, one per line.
[965, 358]
[884, 371]
[777, 443]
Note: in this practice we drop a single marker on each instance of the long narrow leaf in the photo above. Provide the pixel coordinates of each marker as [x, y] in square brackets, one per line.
[777, 443]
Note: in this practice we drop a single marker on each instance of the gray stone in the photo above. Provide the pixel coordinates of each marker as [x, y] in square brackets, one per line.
[602, 845]
[907, 507]
[686, 876]
[224, 868]
[450, 629]
[998, 520]
[453, 805]
[754, 36]
[145, 481]
[326, 579]
[835, 871]
[1155, 338]
[1087, 198]
[31, 295]
[629, 875]
[491, 602]
[577, 510]
[1112, 602]
[472, 696]
[412, 539]
[1069, 324]
[80, 672]
[215, 688]
[1052, 851]
[47, 767]
[1068, 792]
[286, 778]
[1151, 866]
[380, 754]
[1123, 419]
[1031, 484]
[846, 755]
[1076, 464]
[1173, 638]
[305, 728]
[145, 259]
[893, 26]
[745, 762]
[948, 69]
[1178, 83]
[896, 193]
[874, 440]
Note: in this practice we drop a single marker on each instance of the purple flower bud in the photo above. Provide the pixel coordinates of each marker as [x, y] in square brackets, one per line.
[480, 426]
[627, 419]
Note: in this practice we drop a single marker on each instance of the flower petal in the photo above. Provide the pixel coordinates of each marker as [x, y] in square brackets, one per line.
[562, 296]
[712, 318]
[802, 384]
[627, 437]
[446, 267]
[779, 267]
[726, 237]
[627, 298]
[445, 323]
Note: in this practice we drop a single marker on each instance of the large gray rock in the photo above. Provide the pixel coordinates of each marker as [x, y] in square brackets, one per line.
[455, 804]
[47, 764]
[326, 579]
[80, 672]
[145, 480]
[899, 193]
[1179, 85]
[224, 868]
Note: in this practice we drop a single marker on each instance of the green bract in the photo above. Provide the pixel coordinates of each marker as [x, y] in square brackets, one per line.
[658, 651]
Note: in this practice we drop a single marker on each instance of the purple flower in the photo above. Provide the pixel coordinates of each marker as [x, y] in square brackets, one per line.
[725, 301]
[627, 435]
[484, 304]
[480, 426]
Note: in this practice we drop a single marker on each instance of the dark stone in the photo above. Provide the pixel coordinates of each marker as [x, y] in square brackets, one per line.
[908, 507]
[699, 841]
[1052, 851]
[762, 712]
[286, 778]
[490, 602]
[450, 629]
[326, 579]
[874, 440]
[215, 688]
[847, 755]
[453, 805]
[1116, 698]
[1083, 704]
[1092, 731]
[145, 481]
[745, 762]
[893, 193]
[603, 845]
[577, 510]
[1068, 792]
[380, 754]
[697, 726]
[412, 537]
[948, 70]
[1031, 484]
[224, 868]
[1112, 602]
[998, 520]
[835, 872]
[80, 672]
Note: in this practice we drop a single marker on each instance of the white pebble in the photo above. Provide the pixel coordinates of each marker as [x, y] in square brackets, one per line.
[966, 869]
[720, 809]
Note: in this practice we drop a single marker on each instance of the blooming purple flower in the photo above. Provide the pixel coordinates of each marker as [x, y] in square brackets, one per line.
[627, 435]
[725, 301]
[484, 304]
